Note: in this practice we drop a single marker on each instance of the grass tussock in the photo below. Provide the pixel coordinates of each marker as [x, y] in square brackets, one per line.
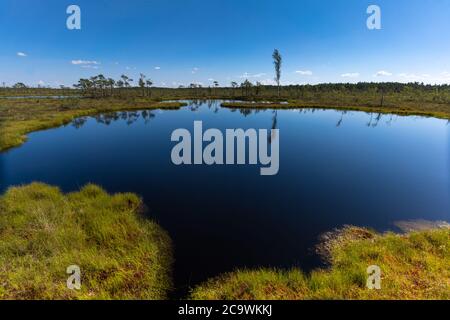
[42, 232]
[21, 116]
[414, 266]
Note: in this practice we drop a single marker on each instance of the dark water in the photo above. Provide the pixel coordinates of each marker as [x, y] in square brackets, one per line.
[335, 168]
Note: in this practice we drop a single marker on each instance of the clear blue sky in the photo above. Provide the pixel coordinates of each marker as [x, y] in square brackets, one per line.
[182, 41]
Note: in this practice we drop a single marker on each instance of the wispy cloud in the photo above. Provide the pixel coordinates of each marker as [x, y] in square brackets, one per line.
[85, 62]
[443, 77]
[383, 73]
[247, 75]
[89, 66]
[176, 84]
[195, 70]
[413, 76]
[350, 75]
[157, 68]
[21, 54]
[304, 72]
[268, 82]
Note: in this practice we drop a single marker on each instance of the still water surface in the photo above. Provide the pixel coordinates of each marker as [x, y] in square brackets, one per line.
[336, 168]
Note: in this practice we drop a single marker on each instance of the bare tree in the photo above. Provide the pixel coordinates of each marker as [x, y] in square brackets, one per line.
[277, 60]
[142, 83]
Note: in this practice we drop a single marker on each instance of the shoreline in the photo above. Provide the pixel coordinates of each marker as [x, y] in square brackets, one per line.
[21, 116]
[368, 109]
[414, 263]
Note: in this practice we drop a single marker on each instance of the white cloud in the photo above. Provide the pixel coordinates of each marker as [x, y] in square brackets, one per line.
[445, 74]
[350, 75]
[247, 75]
[268, 82]
[85, 62]
[210, 79]
[443, 77]
[157, 68]
[383, 73]
[304, 72]
[194, 70]
[41, 83]
[21, 54]
[89, 66]
[413, 76]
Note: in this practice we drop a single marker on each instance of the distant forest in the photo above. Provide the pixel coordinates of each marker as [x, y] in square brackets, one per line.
[101, 87]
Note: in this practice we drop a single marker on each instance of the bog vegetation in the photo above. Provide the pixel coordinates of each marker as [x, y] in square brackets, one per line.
[122, 255]
[43, 231]
[19, 115]
[32, 109]
[414, 266]
[386, 97]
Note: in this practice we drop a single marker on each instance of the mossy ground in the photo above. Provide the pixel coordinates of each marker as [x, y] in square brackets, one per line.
[43, 231]
[125, 256]
[414, 266]
[21, 116]
[24, 115]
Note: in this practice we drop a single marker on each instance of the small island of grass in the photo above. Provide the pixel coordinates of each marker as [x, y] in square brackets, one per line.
[42, 232]
[413, 266]
[122, 255]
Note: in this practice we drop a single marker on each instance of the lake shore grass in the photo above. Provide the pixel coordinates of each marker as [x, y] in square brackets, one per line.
[121, 255]
[413, 266]
[441, 111]
[18, 117]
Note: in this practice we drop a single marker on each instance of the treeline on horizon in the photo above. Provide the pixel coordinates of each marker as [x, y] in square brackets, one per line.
[125, 87]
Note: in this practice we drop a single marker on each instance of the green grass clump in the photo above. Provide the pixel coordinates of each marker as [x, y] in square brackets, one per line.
[42, 232]
[414, 266]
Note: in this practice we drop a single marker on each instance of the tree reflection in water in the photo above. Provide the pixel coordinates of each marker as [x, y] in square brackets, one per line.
[130, 117]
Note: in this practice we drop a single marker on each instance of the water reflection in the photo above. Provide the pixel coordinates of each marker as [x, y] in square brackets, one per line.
[79, 122]
[130, 117]
[274, 126]
[335, 170]
[213, 105]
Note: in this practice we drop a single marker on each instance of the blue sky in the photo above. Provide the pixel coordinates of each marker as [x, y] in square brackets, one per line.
[184, 41]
